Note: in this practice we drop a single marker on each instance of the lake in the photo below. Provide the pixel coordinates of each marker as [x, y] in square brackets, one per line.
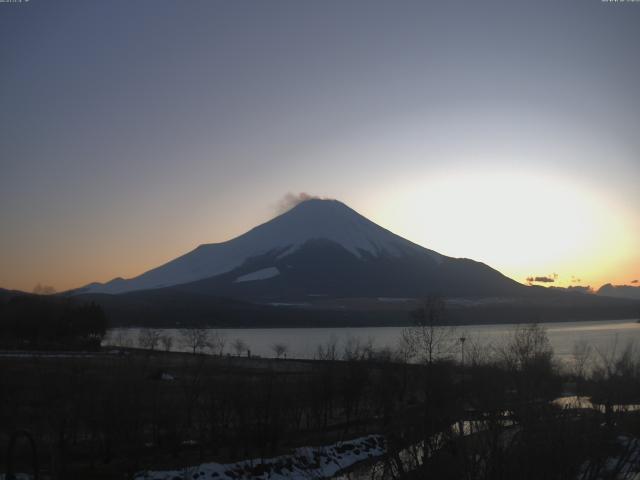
[303, 342]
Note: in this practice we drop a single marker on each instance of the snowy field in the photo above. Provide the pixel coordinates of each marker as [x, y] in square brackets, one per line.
[303, 463]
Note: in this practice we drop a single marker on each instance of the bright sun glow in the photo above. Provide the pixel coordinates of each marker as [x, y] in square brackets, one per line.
[521, 224]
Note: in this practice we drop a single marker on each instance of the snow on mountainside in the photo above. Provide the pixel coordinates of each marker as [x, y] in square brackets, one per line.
[310, 220]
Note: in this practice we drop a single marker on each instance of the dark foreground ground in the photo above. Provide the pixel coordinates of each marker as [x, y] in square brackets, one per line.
[114, 414]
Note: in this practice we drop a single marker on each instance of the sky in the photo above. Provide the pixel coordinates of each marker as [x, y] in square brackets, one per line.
[503, 131]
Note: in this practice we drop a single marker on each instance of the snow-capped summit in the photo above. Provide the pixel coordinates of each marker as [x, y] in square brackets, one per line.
[330, 220]
[310, 221]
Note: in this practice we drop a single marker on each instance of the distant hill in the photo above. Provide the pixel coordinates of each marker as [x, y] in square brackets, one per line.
[172, 307]
[49, 322]
[620, 291]
[7, 294]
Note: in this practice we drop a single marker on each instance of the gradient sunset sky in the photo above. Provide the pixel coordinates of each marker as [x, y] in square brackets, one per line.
[503, 131]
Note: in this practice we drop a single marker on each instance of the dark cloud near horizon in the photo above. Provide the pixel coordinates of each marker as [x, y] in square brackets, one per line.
[576, 289]
[634, 281]
[540, 280]
[580, 288]
[543, 279]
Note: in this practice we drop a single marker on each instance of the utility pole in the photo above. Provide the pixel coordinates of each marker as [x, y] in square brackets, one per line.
[462, 420]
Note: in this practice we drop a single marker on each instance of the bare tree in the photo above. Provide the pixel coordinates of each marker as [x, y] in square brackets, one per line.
[581, 358]
[328, 351]
[217, 342]
[477, 352]
[196, 339]
[615, 376]
[239, 346]
[528, 357]
[529, 345]
[279, 349]
[167, 342]
[149, 338]
[356, 349]
[429, 338]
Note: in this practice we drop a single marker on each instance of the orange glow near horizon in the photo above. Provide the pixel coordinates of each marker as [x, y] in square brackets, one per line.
[523, 225]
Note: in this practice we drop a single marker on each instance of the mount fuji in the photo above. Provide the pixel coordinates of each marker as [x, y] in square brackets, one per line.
[319, 248]
[323, 264]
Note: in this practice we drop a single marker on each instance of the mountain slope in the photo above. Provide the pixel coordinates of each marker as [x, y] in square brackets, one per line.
[322, 268]
[310, 220]
[319, 248]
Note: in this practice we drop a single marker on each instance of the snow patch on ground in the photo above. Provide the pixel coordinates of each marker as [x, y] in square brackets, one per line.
[625, 466]
[262, 274]
[304, 463]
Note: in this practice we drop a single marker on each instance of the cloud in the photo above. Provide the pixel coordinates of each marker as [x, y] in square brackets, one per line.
[580, 289]
[542, 279]
[290, 200]
[635, 281]
[575, 289]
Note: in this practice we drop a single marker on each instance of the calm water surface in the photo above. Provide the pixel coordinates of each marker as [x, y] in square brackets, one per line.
[303, 342]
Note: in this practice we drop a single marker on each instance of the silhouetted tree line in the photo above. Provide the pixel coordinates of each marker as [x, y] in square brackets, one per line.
[44, 322]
